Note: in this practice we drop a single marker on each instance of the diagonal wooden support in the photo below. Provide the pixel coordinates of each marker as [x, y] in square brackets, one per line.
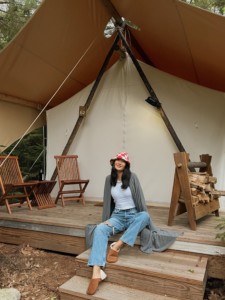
[84, 109]
[153, 100]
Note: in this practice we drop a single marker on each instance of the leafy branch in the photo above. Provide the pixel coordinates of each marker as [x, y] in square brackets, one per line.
[221, 226]
[13, 15]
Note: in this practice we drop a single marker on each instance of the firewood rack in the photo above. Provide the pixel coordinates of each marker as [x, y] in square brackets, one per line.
[193, 192]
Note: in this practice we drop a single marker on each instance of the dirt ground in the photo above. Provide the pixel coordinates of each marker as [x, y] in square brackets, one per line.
[37, 274]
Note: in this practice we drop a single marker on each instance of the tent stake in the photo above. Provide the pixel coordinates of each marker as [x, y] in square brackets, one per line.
[153, 98]
[83, 112]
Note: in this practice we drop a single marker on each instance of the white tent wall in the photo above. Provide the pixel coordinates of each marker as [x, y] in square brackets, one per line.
[119, 119]
[15, 119]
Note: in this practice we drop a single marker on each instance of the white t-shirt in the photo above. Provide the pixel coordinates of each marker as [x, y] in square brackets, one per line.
[122, 197]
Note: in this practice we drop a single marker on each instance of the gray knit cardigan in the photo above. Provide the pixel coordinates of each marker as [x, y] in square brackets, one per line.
[151, 238]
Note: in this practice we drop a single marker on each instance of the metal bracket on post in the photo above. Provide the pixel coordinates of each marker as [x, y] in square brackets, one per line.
[82, 111]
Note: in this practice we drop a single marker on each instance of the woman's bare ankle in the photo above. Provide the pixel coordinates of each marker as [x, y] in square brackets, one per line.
[96, 272]
[117, 245]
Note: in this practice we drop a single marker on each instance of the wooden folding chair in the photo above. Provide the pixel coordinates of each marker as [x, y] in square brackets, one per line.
[42, 194]
[69, 179]
[14, 191]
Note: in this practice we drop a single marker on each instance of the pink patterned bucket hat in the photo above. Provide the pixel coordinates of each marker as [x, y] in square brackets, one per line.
[121, 155]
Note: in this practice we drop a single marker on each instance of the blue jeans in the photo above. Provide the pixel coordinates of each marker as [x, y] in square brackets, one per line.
[129, 220]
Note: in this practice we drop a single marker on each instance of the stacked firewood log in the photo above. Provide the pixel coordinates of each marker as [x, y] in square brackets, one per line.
[202, 188]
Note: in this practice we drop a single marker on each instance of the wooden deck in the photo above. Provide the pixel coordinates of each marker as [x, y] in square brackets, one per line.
[63, 229]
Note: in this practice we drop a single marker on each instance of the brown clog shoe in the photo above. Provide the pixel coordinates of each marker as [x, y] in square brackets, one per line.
[112, 256]
[94, 283]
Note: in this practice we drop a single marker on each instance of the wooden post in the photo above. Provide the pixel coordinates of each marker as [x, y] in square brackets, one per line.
[181, 186]
[181, 161]
[206, 158]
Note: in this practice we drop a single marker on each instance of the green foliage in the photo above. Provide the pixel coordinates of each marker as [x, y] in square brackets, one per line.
[13, 15]
[215, 6]
[221, 226]
[31, 153]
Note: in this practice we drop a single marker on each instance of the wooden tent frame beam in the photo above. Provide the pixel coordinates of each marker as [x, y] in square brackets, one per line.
[84, 109]
[112, 10]
[152, 94]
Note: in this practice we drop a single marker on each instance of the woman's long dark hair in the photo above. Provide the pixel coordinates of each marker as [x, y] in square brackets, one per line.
[125, 177]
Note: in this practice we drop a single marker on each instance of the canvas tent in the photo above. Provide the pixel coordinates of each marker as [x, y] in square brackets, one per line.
[121, 119]
[175, 38]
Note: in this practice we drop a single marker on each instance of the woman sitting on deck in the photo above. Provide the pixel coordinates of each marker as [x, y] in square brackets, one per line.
[124, 210]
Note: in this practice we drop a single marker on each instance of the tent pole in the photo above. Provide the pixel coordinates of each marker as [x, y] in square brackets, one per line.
[153, 98]
[88, 102]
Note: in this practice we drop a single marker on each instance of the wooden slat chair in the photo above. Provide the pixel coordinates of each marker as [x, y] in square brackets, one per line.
[69, 179]
[14, 191]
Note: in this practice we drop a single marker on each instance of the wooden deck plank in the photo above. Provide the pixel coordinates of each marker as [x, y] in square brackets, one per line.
[178, 266]
[68, 216]
[43, 240]
[75, 215]
[197, 248]
[76, 288]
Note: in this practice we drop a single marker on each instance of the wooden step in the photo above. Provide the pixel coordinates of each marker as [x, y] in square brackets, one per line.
[167, 273]
[215, 255]
[75, 289]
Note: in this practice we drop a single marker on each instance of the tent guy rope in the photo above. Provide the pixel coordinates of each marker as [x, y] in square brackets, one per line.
[43, 109]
